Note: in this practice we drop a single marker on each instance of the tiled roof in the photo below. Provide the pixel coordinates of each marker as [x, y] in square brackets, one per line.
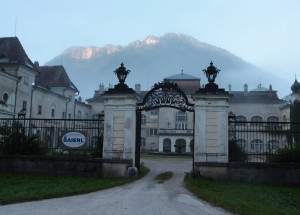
[54, 76]
[12, 49]
[181, 76]
[239, 97]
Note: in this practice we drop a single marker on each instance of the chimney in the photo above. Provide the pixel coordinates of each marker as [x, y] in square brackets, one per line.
[245, 89]
[101, 88]
[36, 63]
[137, 88]
[229, 88]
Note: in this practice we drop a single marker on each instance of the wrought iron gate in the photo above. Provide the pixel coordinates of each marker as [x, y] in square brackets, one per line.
[162, 94]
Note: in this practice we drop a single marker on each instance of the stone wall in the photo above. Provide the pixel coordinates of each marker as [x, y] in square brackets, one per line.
[65, 166]
[51, 165]
[285, 174]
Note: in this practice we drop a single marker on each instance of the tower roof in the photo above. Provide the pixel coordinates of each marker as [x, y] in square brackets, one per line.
[295, 87]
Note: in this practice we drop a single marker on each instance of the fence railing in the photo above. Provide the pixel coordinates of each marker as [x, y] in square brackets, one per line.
[183, 132]
[52, 137]
[261, 142]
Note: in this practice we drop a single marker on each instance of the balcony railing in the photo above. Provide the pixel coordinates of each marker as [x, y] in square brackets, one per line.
[185, 132]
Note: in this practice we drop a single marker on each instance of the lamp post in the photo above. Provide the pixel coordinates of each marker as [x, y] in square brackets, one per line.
[33, 87]
[211, 73]
[121, 87]
[122, 73]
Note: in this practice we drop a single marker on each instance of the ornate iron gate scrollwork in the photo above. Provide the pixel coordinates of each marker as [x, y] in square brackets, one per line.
[163, 94]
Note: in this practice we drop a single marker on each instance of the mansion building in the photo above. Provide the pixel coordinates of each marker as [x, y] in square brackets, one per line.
[46, 92]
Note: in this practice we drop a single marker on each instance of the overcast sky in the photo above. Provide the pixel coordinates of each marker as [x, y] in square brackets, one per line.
[263, 32]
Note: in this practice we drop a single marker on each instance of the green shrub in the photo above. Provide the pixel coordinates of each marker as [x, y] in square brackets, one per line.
[288, 154]
[13, 141]
[236, 153]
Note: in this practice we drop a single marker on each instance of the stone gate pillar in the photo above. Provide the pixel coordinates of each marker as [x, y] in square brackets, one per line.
[211, 121]
[119, 129]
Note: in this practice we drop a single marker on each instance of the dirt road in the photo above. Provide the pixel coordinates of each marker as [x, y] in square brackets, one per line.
[143, 197]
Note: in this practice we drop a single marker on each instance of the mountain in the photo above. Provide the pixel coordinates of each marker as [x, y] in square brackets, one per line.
[155, 58]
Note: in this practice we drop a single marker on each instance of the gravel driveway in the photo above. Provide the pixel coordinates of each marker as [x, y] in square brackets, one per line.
[143, 197]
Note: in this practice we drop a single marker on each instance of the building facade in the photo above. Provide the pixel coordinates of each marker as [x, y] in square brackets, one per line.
[47, 92]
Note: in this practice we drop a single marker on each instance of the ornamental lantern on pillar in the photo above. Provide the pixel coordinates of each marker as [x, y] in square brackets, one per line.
[121, 87]
[122, 73]
[211, 72]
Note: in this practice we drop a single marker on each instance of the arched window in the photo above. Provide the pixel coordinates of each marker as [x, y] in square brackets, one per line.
[180, 146]
[5, 97]
[143, 119]
[284, 118]
[273, 119]
[181, 120]
[167, 145]
[256, 120]
[52, 113]
[241, 118]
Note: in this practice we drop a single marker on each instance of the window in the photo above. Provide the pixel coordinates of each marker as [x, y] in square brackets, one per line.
[78, 114]
[143, 119]
[39, 109]
[167, 145]
[52, 113]
[273, 144]
[284, 118]
[273, 119]
[153, 131]
[63, 115]
[181, 120]
[143, 142]
[5, 97]
[240, 119]
[24, 105]
[257, 145]
[25, 80]
[257, 120]
[70, 116]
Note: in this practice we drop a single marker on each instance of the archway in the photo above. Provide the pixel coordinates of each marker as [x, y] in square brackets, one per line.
[163, 94]
[167, 145]
[180, 146]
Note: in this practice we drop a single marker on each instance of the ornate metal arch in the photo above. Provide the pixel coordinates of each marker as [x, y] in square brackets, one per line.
[165, 94]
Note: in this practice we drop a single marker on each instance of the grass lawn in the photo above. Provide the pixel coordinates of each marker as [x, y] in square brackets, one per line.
[246, 198]
[164, 176]
[24, 187]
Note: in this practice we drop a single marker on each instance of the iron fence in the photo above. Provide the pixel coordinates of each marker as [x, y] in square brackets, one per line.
[48, 137]
[261, 142]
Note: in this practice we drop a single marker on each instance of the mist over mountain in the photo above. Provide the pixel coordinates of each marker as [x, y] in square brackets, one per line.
[156, 58]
